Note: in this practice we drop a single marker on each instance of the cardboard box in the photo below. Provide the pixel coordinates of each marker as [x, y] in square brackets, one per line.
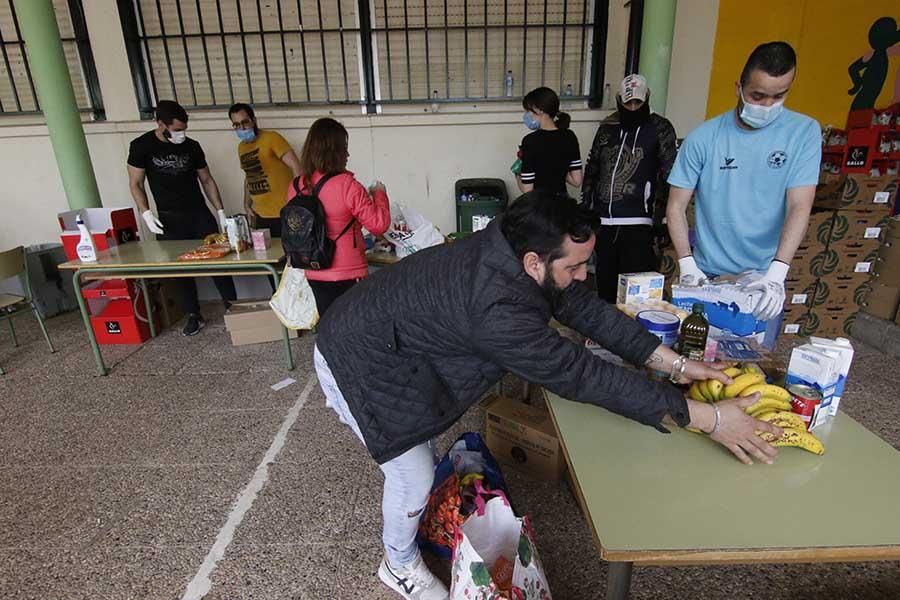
[833, 322]
[860, 191]
[796, 323]
[810, 263]
[814, 367]
[262, 239]
[523, 436]
[635, 287]
[853, 258]
[887, 264]
[881, 301]
[727, 305]
[165, 299]
[253, 322]
[801, 292]
[819, 230]
[842, 291]
[859, 226]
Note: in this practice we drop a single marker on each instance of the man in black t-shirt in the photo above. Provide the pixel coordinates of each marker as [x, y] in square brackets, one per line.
[175, 167]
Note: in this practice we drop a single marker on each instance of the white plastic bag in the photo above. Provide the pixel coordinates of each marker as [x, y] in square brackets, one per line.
[294, 303]
[491, 532]
[420, 233]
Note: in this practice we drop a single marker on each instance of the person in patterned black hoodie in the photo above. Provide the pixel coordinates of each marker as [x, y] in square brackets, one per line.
[625, 184]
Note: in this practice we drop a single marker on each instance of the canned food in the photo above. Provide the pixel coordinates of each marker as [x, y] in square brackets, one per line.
[805, 401]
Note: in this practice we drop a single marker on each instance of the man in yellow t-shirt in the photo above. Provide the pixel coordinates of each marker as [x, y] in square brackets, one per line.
[270, 165]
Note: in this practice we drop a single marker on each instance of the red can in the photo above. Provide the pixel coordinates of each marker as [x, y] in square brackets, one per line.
[805, 401]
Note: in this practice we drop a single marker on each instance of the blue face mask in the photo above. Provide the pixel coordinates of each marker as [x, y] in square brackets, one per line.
[757, 116]
[246, 135]
[531, 122]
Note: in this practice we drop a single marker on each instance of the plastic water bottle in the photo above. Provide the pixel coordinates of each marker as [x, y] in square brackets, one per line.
[434, 102]
[508, 82]
[568, 91]
[86, 250]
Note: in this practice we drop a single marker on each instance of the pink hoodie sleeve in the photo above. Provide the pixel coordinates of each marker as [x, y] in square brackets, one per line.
[373, 212]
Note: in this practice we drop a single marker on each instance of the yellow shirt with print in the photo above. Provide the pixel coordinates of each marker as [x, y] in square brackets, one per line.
[268, 178]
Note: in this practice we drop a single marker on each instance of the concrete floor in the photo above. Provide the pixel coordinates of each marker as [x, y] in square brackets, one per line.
[127, 486]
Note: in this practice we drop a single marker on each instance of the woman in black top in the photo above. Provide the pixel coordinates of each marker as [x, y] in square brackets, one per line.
[550, 154]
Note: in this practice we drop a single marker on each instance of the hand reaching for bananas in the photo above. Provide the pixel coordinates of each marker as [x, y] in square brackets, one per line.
[696, 370]
[738, 431]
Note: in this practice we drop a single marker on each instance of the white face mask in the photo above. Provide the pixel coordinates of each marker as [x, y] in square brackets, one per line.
[177, 137]
[757, 116]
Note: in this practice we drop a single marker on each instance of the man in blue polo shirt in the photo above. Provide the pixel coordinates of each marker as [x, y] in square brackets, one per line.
[753, 171]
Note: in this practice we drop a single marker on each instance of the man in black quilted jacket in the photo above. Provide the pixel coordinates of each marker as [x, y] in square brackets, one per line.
[408, 350]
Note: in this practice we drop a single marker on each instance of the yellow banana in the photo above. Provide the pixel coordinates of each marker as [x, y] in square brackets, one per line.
[766, 403]
[798, 438]
[741, 382]
[694, 392]
[732, 372]
[703, 387]
[783, 419]
[767, 389]
[715, 388]
[693, 430]
[751, 368]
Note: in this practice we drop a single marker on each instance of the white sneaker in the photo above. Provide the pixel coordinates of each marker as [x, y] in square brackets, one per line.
[413, 581]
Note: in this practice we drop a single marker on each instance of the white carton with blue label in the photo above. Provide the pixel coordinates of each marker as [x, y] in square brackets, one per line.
[811, 365]
[842, 350]
[728, 307]
[637, 287]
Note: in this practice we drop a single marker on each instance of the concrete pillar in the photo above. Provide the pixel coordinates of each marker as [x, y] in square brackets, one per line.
[111, 59]
[656, 49]
[54, 89]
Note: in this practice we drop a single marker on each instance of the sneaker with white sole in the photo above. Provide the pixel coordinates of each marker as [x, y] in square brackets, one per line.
[413, 581]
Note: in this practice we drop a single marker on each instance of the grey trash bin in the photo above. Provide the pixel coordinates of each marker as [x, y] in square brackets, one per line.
[52, 288]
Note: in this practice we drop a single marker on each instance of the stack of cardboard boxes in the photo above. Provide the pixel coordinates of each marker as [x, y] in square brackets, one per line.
[884, 297]
[831, 277]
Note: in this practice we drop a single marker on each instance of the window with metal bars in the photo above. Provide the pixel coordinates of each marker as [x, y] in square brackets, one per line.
[17, 93]
[212, 53]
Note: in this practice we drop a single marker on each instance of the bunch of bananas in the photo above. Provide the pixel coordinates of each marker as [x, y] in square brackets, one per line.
[214, 239]
[773, 406]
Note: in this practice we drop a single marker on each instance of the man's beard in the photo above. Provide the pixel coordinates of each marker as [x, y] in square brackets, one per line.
[551, 290]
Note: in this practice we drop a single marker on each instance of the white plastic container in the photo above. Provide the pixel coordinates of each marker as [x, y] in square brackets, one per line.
[842, 350]
[87, 251]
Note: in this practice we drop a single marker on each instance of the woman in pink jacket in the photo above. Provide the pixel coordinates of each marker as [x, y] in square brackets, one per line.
[346, 202]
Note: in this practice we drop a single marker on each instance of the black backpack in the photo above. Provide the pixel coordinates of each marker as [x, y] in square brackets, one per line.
[303, 234]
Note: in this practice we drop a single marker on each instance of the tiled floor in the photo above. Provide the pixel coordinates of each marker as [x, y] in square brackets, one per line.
[118, 487]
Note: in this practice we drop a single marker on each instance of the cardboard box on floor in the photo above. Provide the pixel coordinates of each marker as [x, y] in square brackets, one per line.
[522, 436]
[253, 322]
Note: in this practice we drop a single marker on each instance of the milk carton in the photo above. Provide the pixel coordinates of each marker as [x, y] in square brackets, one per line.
[636, 287]
[842, 350]
[812, 366]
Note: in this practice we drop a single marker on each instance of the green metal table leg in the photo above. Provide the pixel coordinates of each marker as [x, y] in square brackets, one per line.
[82, 305]
[12, 332]
[149, 307]
[284, 331]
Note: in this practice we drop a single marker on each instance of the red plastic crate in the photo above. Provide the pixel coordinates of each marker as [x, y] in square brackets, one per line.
[116, 323]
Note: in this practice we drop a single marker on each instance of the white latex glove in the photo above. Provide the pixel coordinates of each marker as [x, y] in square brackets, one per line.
[222, 217]
[153, 224]
[690, 273]
[771, 285]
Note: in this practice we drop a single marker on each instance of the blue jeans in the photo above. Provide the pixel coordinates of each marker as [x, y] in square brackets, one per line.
[407, 478]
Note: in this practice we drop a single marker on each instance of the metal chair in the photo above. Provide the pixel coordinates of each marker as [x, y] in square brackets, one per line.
[13, 264]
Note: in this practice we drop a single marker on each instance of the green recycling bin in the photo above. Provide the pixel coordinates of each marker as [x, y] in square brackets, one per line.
[478, 201]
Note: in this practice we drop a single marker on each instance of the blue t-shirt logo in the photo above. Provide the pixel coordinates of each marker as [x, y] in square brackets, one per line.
[726, 164]
[777, 159]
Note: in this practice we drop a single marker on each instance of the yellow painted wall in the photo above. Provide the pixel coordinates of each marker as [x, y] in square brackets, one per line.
[828, 35]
